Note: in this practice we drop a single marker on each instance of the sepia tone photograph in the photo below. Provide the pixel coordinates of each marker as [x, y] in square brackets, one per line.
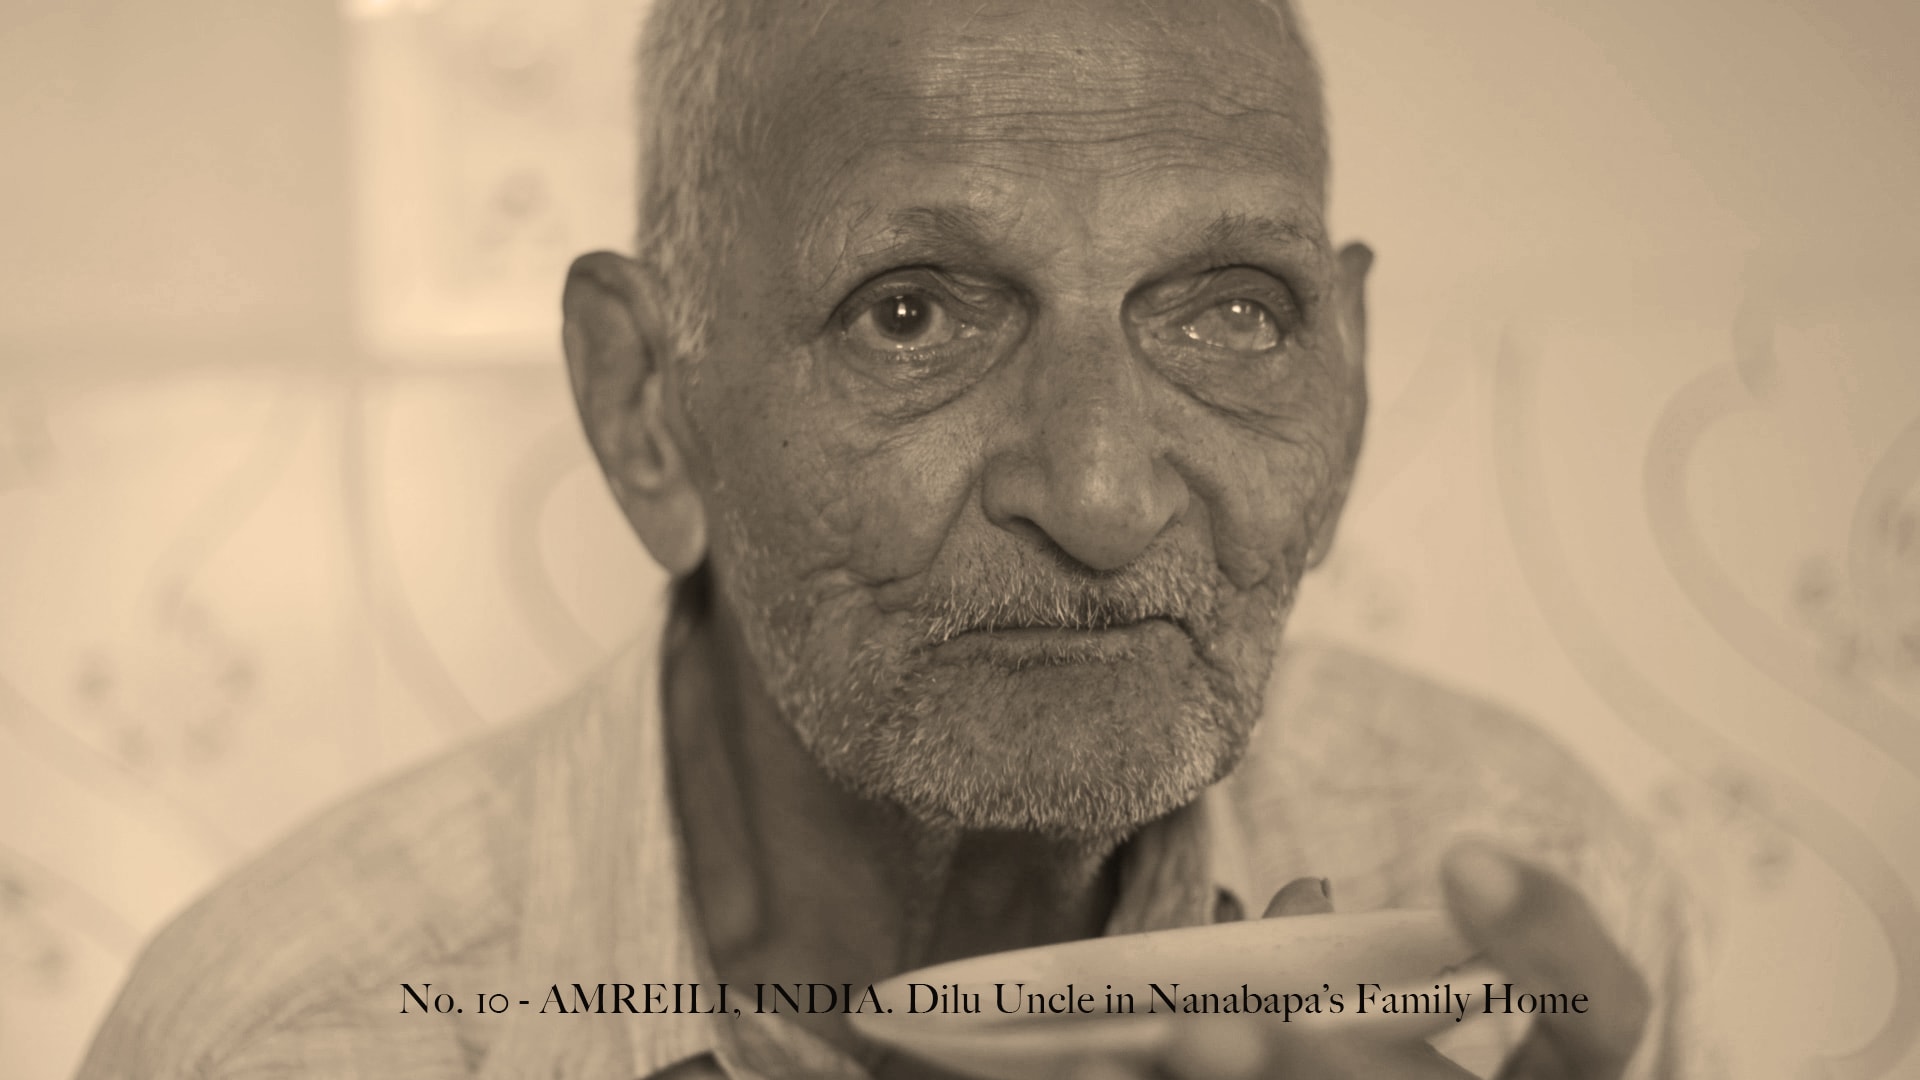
[995, 539]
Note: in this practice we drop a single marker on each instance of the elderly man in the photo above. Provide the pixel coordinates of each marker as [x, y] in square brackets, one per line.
[987, 382]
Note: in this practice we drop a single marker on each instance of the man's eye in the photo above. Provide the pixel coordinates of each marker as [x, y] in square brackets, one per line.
[905, 321]
[1240, 325]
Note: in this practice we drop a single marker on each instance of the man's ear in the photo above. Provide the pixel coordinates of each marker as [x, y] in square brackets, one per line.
[616, 355]
[1350, 313]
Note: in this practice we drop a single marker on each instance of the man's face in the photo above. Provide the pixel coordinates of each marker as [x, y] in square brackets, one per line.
[1030, 389]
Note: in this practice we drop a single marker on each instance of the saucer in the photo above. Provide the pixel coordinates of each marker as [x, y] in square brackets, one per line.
[1031, 1013]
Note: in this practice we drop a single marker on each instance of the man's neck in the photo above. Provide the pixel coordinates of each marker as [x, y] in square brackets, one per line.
[796, 879]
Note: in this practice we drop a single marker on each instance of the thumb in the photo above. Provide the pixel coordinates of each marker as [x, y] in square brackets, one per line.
[1541, 933]
[1301, 896]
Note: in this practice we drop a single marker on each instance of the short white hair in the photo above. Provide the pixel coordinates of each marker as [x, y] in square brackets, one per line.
[693, 55]
[695, 106]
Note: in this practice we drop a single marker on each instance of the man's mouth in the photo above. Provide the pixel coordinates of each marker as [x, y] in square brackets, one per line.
[1033, 644]
[1075, 627]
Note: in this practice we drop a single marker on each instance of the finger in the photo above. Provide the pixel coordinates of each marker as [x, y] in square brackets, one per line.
[1543, 935]
[1301, 896]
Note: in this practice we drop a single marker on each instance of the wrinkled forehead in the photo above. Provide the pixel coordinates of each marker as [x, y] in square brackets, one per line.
[1026, 90]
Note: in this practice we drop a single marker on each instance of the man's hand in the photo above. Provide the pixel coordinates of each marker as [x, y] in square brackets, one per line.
[1525, 921]
[1540, 932]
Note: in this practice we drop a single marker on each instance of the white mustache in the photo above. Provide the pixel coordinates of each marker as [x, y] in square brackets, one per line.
[1018, 595]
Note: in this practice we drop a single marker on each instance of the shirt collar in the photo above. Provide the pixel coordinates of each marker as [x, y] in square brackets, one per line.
[1228, 866]
[607, 897]
[661, 938]
[1176, 871]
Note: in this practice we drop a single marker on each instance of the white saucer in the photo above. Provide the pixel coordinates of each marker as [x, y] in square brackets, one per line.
[1253, 963]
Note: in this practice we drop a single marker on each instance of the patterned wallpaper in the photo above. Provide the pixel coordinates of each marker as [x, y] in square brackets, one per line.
[1644, 462]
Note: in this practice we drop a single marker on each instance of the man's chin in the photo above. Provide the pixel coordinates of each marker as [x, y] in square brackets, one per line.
[1086, 747]
[1024, 784]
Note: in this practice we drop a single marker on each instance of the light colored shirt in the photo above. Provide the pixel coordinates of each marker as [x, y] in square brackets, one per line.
[548, 853]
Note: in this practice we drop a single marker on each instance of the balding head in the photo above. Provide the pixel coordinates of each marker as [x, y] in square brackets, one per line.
[708, 70]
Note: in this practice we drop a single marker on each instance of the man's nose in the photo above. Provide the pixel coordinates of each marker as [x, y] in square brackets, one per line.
[1090, 469]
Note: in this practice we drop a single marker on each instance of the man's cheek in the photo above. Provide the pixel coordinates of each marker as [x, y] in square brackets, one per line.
[851, 518]
[1258, 500]
[901, 501]
[798, 519]
[777, 506]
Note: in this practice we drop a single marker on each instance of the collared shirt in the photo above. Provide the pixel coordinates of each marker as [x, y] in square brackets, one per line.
[548, 854]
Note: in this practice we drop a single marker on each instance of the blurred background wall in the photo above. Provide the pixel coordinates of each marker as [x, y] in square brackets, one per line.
[291, 494]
